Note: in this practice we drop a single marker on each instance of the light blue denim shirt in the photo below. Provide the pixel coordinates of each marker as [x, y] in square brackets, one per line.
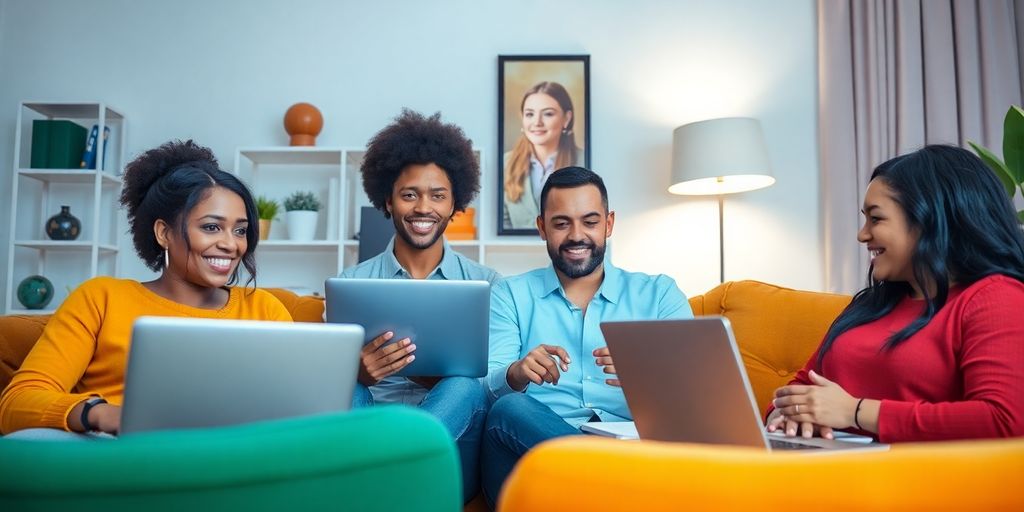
[453, 266]
[530, 309]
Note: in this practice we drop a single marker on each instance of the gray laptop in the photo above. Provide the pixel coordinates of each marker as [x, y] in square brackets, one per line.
[192, 373]
[447, 320]
[684, 381]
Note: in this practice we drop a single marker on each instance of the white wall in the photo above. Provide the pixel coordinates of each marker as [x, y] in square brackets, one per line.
[223, 73]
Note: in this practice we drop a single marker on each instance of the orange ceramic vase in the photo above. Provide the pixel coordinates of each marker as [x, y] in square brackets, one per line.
[303, 123]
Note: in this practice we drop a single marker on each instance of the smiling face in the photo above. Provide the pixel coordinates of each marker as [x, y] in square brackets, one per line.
[544, 119]
[216, 229]
[576, 227]
[421, 204]
[887, 235]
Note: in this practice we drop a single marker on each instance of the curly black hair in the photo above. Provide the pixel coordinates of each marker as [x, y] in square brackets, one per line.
[414, 139]
[166, 183]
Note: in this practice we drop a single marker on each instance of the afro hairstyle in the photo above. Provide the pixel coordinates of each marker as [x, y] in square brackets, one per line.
[413, 139]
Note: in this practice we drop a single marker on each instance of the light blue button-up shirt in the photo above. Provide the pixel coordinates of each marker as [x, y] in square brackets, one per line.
[453, 266]
[531, 309]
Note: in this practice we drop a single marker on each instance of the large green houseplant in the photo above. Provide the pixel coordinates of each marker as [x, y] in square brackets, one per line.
[1010, 169]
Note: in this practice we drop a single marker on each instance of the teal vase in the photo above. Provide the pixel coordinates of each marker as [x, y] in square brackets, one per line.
[35, 292]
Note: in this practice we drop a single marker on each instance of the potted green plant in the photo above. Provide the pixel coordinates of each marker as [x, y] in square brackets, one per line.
[1010, 169]
[266, 210]
[302, 208]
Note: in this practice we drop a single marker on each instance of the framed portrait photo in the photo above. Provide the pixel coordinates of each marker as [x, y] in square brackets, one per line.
[543, 125]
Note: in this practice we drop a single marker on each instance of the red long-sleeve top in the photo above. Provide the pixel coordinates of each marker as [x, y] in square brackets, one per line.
[960, 377]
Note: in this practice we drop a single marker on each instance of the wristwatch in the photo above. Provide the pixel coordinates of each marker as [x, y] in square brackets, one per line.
[89, 404]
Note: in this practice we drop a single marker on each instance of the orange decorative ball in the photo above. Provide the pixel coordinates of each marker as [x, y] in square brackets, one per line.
[303, 122]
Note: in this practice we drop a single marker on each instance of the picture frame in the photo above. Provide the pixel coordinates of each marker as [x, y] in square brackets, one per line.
[543, 114]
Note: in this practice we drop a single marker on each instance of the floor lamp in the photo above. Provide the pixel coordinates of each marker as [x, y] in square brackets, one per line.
[718, 157]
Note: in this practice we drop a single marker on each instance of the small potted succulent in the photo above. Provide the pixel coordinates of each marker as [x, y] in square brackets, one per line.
[302, 208]
[266, 210]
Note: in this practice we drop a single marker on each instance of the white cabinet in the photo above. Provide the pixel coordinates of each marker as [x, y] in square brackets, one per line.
[38, 194]
[332, 174]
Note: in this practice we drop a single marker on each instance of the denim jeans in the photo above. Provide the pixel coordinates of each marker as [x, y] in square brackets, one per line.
[516, 423]
[461, 405]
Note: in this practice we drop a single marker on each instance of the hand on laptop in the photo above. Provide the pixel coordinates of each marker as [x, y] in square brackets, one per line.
[377, 361]
[604, 358]
[777, 420]
[824, 404]
[538, 367]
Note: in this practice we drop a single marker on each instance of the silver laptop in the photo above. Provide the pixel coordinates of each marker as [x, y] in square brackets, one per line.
[684, 381]
[193, 373]
[447, 320]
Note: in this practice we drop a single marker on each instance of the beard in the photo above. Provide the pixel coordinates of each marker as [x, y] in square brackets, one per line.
[579, 269]
[403, 232]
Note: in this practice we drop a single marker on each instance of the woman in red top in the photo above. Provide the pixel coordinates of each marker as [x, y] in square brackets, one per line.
[933, 348]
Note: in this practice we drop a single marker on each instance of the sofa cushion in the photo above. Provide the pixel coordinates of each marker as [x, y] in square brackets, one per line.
[303, 308]
[777, 329]
[17, 335]
[655, 476]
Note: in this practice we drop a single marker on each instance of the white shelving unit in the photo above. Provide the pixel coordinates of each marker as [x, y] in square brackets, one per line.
[37, 194]
[332, 174]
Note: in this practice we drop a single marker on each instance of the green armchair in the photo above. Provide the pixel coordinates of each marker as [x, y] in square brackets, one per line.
[381, 458]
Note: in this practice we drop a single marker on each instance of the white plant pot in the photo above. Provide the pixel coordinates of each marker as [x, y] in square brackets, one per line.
[301, 225]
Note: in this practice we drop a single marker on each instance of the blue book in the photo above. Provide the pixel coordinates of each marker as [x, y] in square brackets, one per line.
[89, 156]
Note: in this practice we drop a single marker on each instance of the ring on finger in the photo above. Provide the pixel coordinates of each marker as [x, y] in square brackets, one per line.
[798, 408]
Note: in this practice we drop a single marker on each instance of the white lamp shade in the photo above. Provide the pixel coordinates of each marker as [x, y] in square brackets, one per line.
[719, 156]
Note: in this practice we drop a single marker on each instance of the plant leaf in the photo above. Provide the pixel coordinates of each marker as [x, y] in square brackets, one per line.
[1020, 217]
[1013, 142]
[998, 167]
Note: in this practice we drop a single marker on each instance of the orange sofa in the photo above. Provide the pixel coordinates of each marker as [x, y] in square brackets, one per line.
[777, 330]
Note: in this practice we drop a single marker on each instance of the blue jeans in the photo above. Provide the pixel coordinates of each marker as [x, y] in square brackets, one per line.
[516, 423]
[461, 405]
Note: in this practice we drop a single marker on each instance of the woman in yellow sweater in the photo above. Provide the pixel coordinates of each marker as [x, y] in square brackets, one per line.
[190, 221]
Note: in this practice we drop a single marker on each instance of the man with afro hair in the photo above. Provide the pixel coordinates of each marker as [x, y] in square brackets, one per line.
[419, 172]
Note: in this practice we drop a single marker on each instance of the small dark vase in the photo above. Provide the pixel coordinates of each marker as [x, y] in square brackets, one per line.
[63, 226]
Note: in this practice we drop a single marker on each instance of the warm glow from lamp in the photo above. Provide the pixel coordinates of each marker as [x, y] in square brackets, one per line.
[719, 156]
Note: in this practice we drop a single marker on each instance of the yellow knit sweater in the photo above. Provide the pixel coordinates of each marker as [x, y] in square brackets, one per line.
[83, 349]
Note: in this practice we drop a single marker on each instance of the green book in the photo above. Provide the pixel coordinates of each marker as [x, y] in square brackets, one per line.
[57, 144]
[67, 142]
[40, 144]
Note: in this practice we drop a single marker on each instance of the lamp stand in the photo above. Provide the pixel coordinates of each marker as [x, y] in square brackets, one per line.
[721, 241]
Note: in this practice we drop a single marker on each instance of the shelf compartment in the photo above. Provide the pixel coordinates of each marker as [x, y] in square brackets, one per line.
[22, 311]
[288, 155]
[288, 245]
[69, 176]
[63, 245]
[71, 110]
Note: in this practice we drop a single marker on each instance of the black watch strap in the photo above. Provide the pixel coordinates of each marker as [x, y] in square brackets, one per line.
[89, 404]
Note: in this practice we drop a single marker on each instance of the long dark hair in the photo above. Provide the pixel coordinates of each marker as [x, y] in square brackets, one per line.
[967, 230]
[166, 183]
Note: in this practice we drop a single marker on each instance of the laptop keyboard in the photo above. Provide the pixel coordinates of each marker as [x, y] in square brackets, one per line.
[779, 444]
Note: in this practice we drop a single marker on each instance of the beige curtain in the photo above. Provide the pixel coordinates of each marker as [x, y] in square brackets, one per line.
[894, 75]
